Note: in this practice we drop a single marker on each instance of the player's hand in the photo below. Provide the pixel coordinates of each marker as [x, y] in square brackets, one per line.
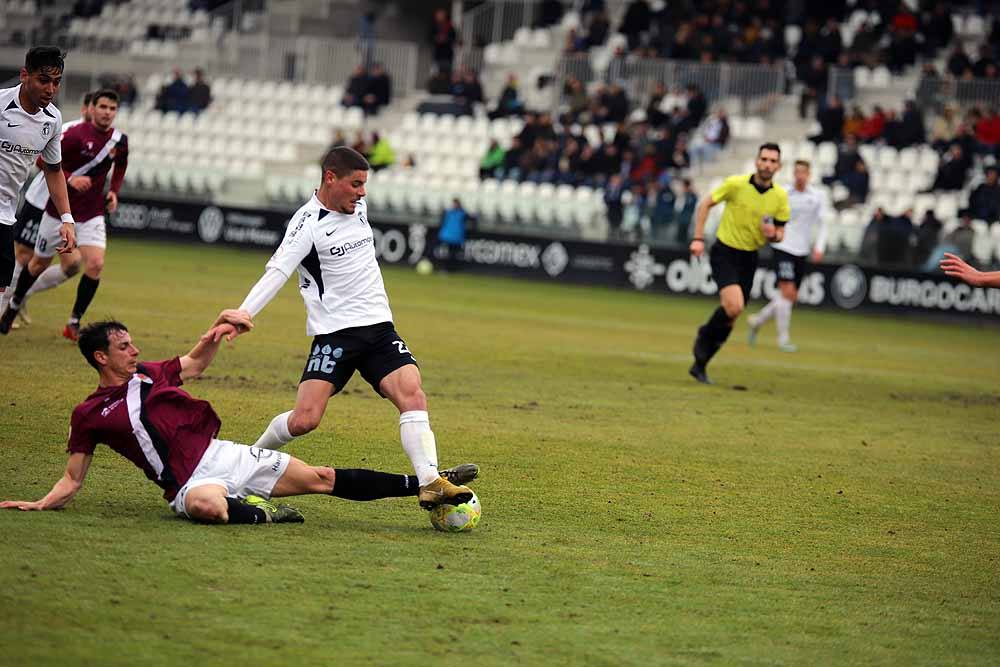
[697, 248]
[769, 231]
[111, 201]
[220, 331]
[80, 183]
[241, 319]
[67, 233]
[22, 505]
[817, 256]
[956, 267]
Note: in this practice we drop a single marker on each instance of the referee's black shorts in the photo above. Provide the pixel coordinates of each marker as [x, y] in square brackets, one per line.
[733, 267]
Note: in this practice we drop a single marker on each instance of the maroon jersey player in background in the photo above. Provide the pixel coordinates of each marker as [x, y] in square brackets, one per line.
[140, 411]
[90, 151]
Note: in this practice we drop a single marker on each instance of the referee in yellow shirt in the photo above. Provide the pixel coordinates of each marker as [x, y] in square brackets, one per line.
[756, 212]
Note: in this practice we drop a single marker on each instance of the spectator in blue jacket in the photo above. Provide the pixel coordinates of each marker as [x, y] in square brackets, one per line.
[451, 233]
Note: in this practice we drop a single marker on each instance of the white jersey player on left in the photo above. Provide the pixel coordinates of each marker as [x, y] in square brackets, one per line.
[805, 235]
[30, 126]
[26, 227]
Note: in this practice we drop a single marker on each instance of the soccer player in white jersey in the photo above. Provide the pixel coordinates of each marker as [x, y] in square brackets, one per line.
[809, 206]
[29, 218]
[330, 243]
[30, 125]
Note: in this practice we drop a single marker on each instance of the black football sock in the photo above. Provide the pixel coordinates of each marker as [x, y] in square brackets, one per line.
[712, 335]
[360, 484]
[24, 283]
[240, 512]
[85, 292]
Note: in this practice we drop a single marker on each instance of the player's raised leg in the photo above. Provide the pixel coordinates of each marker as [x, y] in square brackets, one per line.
[403, 388]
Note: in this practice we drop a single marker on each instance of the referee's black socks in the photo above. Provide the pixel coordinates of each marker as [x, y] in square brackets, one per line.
[712, 335]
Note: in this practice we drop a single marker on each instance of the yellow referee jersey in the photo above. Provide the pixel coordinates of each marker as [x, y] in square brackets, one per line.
[746, 207]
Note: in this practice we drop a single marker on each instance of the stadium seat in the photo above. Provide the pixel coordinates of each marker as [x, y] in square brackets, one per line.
[525, 204]
[887, 157]
[545, 203]
[881, 78]
[862, 77]
[946, 208]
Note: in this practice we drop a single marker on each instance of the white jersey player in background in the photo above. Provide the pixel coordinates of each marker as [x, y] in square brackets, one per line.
[809, 207]
[30, 126]
[330, 244]
[26, 230]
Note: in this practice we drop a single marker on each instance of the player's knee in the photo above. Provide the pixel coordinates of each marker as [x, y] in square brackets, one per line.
[325, 478]
[733, 309]
[303, 421]
[209, 510]
[94, 268]
[38, 264]
[71, 269]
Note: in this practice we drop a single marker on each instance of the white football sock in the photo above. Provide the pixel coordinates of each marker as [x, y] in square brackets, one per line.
[418, 443]
[767, 312]
[784, 319]
[51, 277]
[276, 435]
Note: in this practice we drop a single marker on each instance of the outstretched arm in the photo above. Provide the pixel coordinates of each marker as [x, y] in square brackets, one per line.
[201, 355]
[956, 267]
[56, 180]
[64, 489]
[697, 246]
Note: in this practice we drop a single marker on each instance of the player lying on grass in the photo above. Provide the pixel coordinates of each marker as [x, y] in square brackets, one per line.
[140, 412]
[956, 267]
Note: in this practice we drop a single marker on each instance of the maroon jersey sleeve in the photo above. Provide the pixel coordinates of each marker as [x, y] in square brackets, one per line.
[81, 435]
[121, 164]
[169, 371]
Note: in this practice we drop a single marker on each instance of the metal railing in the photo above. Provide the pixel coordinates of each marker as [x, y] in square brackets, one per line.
[755, 88]
[313, 60]
[497, 21]
[933, 92]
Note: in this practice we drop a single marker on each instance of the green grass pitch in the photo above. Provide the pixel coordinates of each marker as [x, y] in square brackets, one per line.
[843, 509]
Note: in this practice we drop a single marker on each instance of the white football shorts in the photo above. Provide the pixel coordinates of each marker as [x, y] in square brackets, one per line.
[243, 470]
[90, 233]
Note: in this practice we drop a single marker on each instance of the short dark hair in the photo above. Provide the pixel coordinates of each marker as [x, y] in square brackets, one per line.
[105, 93]
[44, 57]
[803, 163]
[343, 160]
[87, 99]
[769, 146]
[97, 337]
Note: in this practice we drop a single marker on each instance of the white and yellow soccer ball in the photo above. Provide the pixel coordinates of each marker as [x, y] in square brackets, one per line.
[457, 518]
[424, 267]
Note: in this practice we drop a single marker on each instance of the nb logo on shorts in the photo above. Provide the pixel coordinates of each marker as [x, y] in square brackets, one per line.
[320, 360]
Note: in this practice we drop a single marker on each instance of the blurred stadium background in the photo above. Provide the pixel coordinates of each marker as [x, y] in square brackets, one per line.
[580, 120]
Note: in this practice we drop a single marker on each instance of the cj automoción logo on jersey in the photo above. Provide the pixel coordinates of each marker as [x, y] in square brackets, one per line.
[351, 246]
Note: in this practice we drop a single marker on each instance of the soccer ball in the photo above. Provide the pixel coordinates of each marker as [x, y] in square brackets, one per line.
[457, 518]
[424, 267]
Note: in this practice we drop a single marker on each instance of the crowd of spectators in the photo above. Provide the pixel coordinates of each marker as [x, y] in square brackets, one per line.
[180, 96]
[370, 90]
[641, 169]
[373, 145]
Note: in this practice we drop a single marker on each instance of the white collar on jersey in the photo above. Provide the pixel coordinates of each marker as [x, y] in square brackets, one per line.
[15, 103]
